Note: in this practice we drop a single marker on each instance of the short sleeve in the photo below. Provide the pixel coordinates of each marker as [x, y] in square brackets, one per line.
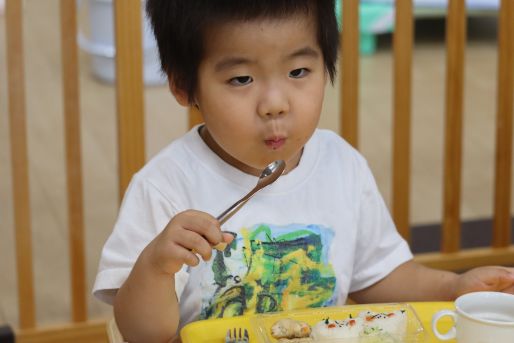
[143, 214]
[379, 247]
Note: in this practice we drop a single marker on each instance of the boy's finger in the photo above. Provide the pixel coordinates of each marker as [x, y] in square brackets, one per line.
[227, 237]
[204, 224]
[508, 279]
[192, 241]
[497, 279]
[507, 274]
[187, 257]
[509, 290]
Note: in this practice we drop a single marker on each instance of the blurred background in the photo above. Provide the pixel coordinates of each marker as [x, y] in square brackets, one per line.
[166, 120]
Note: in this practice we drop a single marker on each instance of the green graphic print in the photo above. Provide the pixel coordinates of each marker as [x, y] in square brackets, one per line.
[270, 268]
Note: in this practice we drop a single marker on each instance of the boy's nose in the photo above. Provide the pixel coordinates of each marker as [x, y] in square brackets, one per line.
[273, 102]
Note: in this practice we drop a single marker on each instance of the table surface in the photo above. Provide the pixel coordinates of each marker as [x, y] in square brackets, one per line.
[214, 330]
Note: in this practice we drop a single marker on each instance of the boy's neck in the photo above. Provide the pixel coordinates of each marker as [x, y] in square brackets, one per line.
[218, 150]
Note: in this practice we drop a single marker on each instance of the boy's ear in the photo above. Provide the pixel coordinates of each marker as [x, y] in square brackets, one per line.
[179, 94]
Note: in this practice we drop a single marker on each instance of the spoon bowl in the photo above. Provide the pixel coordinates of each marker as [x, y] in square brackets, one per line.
[269, 175]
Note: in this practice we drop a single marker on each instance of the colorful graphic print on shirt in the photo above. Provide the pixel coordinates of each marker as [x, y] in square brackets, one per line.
[270, 268]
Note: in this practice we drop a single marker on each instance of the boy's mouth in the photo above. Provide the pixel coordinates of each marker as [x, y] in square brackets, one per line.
[275, 142]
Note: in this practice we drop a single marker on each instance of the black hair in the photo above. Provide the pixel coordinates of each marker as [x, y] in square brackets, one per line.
[179, 27]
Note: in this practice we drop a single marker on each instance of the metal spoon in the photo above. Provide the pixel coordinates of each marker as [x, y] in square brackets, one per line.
[269, 175]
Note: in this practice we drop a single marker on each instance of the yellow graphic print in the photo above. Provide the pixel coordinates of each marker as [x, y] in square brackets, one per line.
[271, 269]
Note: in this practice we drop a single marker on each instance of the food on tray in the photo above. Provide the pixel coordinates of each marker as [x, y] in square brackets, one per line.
[348, 328]
[290, 328]
[368, 327]
[392, 323]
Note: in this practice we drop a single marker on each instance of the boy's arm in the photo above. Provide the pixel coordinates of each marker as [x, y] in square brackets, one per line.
[410, 281]
[146, 306]
[414, 282]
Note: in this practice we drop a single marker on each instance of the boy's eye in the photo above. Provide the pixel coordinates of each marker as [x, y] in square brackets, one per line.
[240, 80]
[299, 73]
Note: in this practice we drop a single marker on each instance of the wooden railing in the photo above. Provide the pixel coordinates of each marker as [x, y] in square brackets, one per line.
[130, 109]
[451, 256]
[131, 157]
[17, 128]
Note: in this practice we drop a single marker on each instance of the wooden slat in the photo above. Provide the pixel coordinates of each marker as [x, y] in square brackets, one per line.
[19, 158]
[86, 332]
[195, 117]
[113, 332]
[467, 259]
[129, 90]
[503, 181]
[403, 44]
[455, 45]
[70, 79]
[350, 72]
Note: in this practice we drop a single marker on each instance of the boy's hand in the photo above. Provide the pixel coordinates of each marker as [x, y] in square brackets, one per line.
[188, 231]
[500, 279]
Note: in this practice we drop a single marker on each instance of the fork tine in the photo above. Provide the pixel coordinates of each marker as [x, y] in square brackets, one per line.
[228, 338]
[237, 335]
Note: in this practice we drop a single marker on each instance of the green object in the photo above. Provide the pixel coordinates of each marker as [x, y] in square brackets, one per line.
[367, 43]
[373, 19]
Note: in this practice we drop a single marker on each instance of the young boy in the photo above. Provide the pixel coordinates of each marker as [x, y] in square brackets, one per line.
[257, 71]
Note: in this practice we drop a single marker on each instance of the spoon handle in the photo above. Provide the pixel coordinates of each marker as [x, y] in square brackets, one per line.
[229, 212]
[269, 175]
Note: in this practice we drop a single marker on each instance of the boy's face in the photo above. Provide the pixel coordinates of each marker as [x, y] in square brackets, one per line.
[260, 90]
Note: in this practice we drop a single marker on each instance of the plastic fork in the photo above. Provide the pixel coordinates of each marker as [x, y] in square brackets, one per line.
[237, 335]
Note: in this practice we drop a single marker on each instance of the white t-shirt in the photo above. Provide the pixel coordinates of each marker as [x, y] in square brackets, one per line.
[316, 234]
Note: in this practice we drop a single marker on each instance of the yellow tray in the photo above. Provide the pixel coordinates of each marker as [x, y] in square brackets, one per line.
[215, 330]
